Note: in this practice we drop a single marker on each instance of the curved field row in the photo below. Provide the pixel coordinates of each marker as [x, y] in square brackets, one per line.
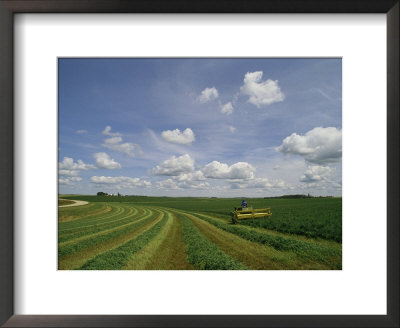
[94, 218]
[77, 244]
[77, 252]
[63, 202]
[129, 236]
[68, 214]
[110, 223]
[71, 203]
[308, 249]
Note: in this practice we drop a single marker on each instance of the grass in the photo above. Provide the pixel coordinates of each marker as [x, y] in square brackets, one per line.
[103, 236]
[62, 202]
[310, 250]
[70, 214]
[310, 217]
[253, 255]
[171, 253]
[163, 233]
[140, 259]
[79, 258]
[314, 218]
[117, 258]
[93, 219]
[203, 254]
[99, 227]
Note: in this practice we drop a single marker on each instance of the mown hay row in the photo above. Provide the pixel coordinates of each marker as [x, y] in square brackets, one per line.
[171, 254]
[314, 252]
[77, 259]
[141, 258]
[117, 258]
[116, 212]
[64, 250]
[202, 253]
[99, 228]
[167, 251]
[70, 214]
[253, 255]
[147, 237]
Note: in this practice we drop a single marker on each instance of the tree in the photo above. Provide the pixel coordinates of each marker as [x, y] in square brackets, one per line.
[100, 193]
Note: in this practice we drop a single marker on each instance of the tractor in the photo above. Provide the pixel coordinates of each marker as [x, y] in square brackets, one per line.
[242, 213]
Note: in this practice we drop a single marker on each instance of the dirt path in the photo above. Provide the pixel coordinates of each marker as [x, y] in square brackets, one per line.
[77, 203]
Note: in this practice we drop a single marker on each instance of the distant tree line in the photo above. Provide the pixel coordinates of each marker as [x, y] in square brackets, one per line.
[100, 193]
[293, 196]
[299, 196]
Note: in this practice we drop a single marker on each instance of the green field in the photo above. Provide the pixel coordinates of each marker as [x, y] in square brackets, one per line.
[62, 202]
[165, 233]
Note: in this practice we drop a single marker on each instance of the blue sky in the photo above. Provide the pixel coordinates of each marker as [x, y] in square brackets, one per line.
[200, 127]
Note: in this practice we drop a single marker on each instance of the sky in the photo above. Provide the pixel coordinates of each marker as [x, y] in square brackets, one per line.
[213, 127]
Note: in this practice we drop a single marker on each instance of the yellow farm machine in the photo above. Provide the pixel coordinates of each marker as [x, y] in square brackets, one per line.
[242, 213]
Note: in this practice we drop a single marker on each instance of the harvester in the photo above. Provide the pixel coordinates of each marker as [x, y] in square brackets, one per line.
[242, 213]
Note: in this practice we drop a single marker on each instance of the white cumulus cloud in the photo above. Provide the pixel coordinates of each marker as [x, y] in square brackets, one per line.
[69, 164]
[261, 93]
[176, 136]
[103, 161]
[319, 145]
[316, 173]
[115, 143]
[261, 183]
[128, 148]
[69, 181]
[68, 173]
[113, 140]
[227, 108]
[207, 95]
[107, 132]
[167, 184]
[175, 166]
[232, 129]
[193, 176]
[194, 180]
[239, 170]
[69, 170]
[192, 184]
[120, 182]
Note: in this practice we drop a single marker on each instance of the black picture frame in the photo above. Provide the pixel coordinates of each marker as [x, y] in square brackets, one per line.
[10, 7]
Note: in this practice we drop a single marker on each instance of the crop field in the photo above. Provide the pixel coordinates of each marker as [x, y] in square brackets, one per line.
[62, 202]
[163, 233]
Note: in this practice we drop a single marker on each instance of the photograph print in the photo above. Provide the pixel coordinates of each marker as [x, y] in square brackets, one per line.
[199, 164]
